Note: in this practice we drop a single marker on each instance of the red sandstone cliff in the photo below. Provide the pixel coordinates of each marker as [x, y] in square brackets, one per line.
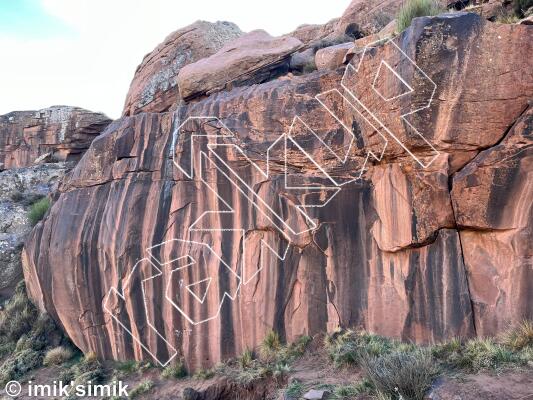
[433, 241]
[63, 133]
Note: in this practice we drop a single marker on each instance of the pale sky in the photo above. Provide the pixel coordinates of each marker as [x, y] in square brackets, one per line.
[84, 52]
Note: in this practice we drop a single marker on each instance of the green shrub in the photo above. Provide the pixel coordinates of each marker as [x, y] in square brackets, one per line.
[66, 375]
[297, 349]
[38, 210]
[88, 369]
[401, 374]
[271, 346]
[519, 337]
[515, 348]
[18, 316]
[294, 389]
[141, 388]
[446, 350]
[7, 348]
[251, 374]
[526, 355]
[127, 367]
[416, 8]
[18, 364]
[348, 347]
[24, 335]
[57, 356]
[281, 369]
[246, 359]
[176, 371]
[481, 354]
[349, 391]
[203, 374]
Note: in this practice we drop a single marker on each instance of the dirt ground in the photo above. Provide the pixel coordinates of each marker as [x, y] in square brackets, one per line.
[312, 370]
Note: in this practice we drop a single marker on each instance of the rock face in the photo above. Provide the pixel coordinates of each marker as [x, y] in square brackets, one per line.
[37, 148]
[253, 58]
[154, 86]
[63, 133]
[192, 233]
[20, 188]
[492, 201]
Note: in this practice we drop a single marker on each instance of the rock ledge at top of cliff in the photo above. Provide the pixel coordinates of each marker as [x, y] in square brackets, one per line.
[57, 133]
[154, 86]
[253, 58]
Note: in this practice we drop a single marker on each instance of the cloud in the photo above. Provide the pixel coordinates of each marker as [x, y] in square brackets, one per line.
[93, 65]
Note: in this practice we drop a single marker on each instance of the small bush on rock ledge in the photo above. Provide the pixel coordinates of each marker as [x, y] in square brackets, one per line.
[38, 210]
[416, 8]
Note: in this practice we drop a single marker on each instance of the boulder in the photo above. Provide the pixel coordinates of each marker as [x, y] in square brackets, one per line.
[303, 61]
[141, 222]
[253, 58]
[312, 33]
[154, 86]
[332, 57]
[314, 394]
[64, 132]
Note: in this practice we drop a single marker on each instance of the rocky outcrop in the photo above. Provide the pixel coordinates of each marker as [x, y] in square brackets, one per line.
[20, 188]
[332, 57]
[191, 236]
[253, 58]
[154, 86]
[61, 133]
[363, 17]
[37, 148]
[308, 34]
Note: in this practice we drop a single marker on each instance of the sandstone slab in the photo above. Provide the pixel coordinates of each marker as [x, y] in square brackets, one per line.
[253, 58]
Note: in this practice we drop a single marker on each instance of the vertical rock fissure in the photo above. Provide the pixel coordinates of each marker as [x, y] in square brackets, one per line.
[450, 187]
[454, 212]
